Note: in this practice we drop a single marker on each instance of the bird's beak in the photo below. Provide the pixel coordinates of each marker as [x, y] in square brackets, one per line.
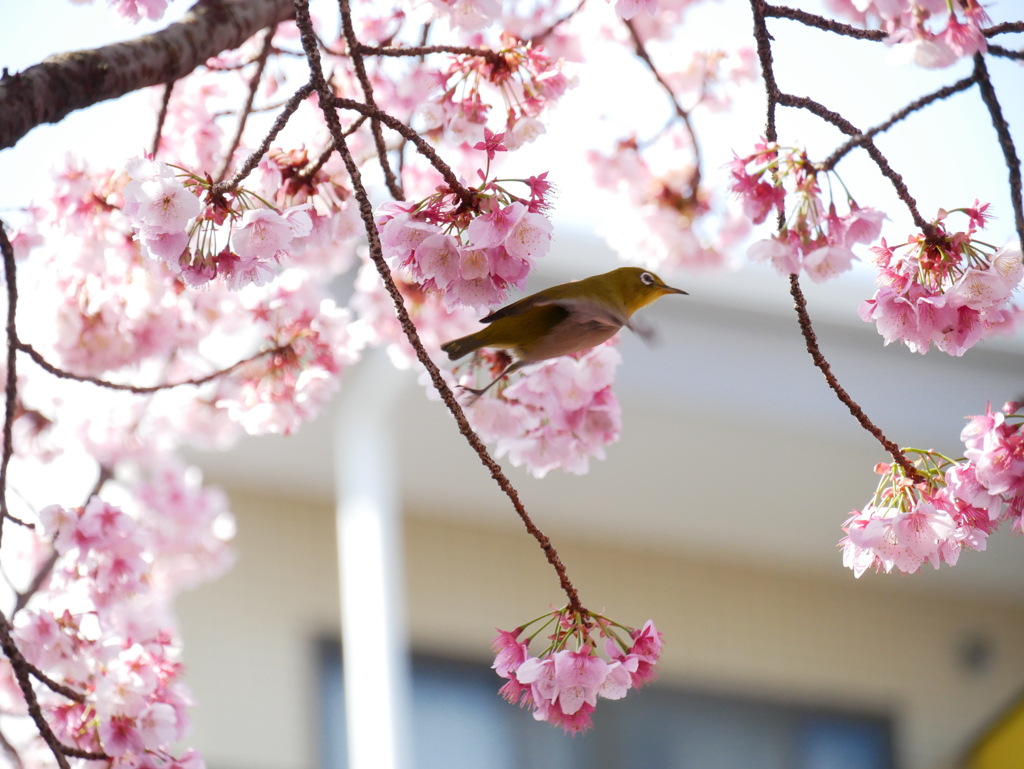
[670, 290]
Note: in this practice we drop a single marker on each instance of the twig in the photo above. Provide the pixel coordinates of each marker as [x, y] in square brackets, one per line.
[775, 96]
[820, 22]
[23, 673]
[988, 95]
[492, 56]
[1003, 27]
[844, 125]
[364, 81]
[1006, 53]
[161, 117]
[366, 212]
[243, 117]
[253, 160]
[800, 304]
[943, 93]
[465, 195]
[11, 372]
[140, 390]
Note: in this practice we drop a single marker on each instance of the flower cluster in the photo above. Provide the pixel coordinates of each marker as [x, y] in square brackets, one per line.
[308, 332]
[814, 238]
[563, 682]
[912, 31]
[947, 290]
[949, 507]
[559, 416]
[103, 627]
[469, 257]
[527, 80]
[176, 228]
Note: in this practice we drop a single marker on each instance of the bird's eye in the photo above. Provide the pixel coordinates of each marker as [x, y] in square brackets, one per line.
[646, 278]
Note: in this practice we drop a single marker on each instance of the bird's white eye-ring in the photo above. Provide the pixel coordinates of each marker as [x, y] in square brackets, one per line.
[646, 278]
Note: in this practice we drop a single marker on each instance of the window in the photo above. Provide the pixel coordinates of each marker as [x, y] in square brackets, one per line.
[460, 722]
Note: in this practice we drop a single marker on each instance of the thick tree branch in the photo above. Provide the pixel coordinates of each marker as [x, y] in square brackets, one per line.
[48, 92]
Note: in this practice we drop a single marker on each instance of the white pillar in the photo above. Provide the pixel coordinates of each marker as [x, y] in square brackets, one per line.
[375, 647]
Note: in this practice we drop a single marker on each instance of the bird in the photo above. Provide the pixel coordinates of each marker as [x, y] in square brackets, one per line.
[563, 319]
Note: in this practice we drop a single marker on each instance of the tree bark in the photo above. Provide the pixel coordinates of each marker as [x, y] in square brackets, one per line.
[49, 91]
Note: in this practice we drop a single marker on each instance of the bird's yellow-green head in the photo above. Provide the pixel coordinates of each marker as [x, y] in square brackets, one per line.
[632, 287]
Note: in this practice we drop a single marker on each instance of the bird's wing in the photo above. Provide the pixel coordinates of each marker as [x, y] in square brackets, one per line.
[584, 309]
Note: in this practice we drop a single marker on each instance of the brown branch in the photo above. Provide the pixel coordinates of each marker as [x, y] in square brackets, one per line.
[820, 22]
[424, 147]
[844, 125]
[253, 160]
[376, 255]
[243, 117]
[804, 319]
[1003, 27]
[988, 95]
[943, 93]
[775, 96]
[161, 117]
[1006, 53]
[44, 364]
[23, 672]
[11, 373]
[364, 81]
[492, 56]
[48, 92]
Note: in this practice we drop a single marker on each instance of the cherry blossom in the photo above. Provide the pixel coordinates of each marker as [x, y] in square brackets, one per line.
[949, 290]
[563, 683]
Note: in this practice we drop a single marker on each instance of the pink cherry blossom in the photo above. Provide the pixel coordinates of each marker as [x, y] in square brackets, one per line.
[563, 683]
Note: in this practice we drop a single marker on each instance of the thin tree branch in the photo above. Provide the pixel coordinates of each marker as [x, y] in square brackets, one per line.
[366, 212]
[253, 160]
[774, 97]
[820, 22]
[844, 125]
[943, 93]
[811, 339]
[161, 117]
[243, 117]
[11, 370]
[1006, 53]
[48, 92]
[364, 81]
[988, 95]
[1003, 27]
[424, 147]
[136, 389]
[544, 33]
[23, 672]
[423, 50]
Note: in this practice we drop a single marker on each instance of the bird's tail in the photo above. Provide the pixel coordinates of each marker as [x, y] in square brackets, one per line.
[461, 346]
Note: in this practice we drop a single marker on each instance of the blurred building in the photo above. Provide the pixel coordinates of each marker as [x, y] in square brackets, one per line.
[716, 514]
